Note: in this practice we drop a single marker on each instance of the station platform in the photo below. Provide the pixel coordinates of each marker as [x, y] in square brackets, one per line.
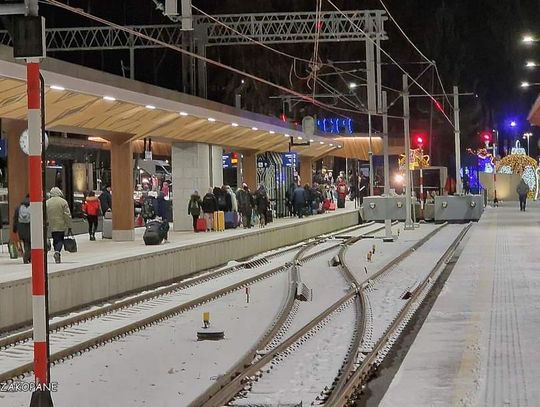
[104, 269]
[479, 343]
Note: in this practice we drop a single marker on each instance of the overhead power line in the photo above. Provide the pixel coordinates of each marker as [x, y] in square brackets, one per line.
[391, 58]
[418, 50]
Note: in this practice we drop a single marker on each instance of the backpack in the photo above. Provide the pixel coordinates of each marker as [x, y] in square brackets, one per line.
[194, 204]
[222, 200]
[148, 210]
[24, 214]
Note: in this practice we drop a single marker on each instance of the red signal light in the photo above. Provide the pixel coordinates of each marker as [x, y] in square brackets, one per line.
[419, 140]
[486, 136]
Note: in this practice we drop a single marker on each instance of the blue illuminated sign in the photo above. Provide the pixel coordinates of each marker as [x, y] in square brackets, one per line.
[3, 148]
[335, 125]
[227, 161]
[289, 159]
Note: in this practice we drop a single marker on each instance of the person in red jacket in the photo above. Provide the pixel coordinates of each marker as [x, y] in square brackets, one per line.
[92, 209]
[342, 191]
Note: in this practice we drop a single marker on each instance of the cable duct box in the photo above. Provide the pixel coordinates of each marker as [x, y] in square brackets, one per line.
[28, 37]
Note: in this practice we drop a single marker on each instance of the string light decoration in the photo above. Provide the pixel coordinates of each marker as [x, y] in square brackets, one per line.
[521, 164]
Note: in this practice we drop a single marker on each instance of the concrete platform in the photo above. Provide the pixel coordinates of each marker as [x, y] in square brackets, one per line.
[479, 344]
[105, 269]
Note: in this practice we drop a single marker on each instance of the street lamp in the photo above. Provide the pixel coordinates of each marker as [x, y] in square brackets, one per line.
[528, 137]
[528, 39]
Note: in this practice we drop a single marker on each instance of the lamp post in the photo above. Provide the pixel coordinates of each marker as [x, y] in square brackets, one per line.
[528, 137]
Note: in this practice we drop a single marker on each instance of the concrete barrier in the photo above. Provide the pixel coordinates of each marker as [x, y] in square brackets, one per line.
[80, 286]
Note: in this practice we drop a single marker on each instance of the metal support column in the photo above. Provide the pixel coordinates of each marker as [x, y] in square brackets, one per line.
[457, 136]
[409, 225]
[372, 105]
[384, 106]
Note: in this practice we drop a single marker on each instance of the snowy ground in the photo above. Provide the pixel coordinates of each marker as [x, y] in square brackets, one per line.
[164, 365]
[479, 344]
[385, 294]
[301, 376]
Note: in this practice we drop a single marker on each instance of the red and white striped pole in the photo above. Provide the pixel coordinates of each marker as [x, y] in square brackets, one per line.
[36, 222]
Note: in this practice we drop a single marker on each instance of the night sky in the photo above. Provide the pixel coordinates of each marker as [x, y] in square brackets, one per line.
[476, 45]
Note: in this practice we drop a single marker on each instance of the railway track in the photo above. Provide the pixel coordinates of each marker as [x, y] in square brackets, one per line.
[357, 372]
[69, 336]
[346, 383]
[272, 342]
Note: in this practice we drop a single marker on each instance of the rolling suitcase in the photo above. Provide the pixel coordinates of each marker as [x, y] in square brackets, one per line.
[107, 226]
[201, 225]
[219, 221]
[231, 220]
[152, 235]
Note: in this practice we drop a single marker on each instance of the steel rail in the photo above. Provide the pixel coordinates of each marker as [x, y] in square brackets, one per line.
[231, 383]
[101, 339]
[26, 335]
[350, 364]
[361, 375]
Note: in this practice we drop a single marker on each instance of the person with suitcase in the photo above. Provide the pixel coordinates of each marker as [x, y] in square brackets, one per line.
[209, 206]
[342, 192]
[194, 208]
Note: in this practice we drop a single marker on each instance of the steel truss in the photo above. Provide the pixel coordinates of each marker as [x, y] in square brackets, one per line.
[268, 28]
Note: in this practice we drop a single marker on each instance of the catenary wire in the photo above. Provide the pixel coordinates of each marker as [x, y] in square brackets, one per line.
[419, 51]
[368, 38]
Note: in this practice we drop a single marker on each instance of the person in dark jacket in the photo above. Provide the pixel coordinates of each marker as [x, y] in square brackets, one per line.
[299, 201]
[262, 203]
[194, 208]
[245, 205]
[289, 198]
[163, 207]
[308, 193]
[21, 226]
[209, 206]
[105, 199]
[522, 191]
[225, 200]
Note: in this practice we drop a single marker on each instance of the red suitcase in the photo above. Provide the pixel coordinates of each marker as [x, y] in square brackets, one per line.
[201, 225]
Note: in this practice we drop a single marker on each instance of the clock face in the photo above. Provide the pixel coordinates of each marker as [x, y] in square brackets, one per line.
[24, 144]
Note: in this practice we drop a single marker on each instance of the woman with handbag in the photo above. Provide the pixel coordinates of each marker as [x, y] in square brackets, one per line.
[59, 219]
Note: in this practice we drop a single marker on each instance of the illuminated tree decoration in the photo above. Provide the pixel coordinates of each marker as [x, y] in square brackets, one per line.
[520, 163]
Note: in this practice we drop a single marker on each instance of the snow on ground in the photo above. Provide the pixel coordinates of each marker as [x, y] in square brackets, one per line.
[385, 295]
[479, 344]
[327, 284]
[302, 375]
[91, 328]
[164, 365]
[356, 255]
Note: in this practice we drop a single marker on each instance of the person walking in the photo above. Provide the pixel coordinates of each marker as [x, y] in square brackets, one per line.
[105, 199]
[21, 227]
[262, 203]
[522, 190]
[92, 209]
[209, 206]
[299, 201]
[194, 208]
[59, 219]
[245, 205]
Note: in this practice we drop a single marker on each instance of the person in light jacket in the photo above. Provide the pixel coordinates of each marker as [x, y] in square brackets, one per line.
[21, 226]
[59, 220]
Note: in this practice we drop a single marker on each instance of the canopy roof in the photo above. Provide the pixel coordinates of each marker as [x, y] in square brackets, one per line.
[75, 103]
